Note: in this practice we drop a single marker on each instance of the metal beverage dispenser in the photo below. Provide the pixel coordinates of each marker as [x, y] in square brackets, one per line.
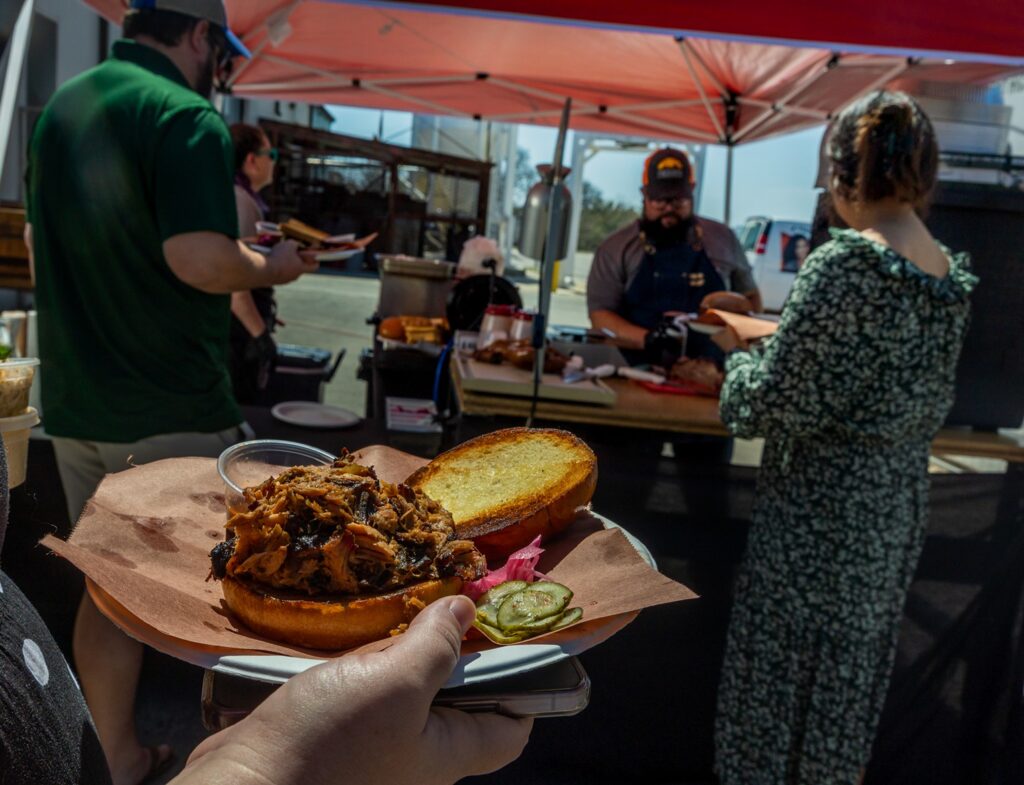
[535, 214]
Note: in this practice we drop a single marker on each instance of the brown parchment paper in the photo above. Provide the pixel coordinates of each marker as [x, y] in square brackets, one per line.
[144, 539]
[746, 328]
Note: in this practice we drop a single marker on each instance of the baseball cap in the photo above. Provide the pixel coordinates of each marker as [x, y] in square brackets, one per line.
[668, 175]
[211, 10]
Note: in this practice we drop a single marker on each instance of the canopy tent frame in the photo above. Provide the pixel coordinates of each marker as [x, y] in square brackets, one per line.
[436, 58]
[14, 58]
[722, 106]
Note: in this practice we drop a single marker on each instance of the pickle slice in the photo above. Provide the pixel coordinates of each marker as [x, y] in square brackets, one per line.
[497, 593]
[571, 616]
[488, 614]
[489, 602]
[496, 635]
[537, 627]
[557, 589]
[526, 607]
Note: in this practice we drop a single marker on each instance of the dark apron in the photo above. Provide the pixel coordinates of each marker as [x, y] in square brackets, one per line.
[673, 279]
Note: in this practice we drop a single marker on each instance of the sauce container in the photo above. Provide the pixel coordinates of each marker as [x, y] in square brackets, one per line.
[496, 324]
[522, 327]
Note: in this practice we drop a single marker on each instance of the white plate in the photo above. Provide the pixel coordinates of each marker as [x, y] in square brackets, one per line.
[487, 665]
[310, 414]
[707, 329]
[337, 256]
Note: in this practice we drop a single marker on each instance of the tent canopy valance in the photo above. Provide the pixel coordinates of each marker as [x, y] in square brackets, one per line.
[621, 81]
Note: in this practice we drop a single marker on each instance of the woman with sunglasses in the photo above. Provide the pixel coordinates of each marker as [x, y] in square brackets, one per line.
[254, 312]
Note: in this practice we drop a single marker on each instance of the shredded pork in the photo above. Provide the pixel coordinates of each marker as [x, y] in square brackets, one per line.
[339, 529]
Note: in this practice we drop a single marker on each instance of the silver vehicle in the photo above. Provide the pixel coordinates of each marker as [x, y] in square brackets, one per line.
[775, 249]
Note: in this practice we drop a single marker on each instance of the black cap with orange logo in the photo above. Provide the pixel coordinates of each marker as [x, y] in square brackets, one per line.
[668, 175]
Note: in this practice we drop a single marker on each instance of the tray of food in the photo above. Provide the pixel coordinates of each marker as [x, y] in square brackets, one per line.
[513, 376]
[325, 557]
[398, 332]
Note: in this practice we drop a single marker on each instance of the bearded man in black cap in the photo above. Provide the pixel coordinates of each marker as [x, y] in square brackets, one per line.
[667, 261]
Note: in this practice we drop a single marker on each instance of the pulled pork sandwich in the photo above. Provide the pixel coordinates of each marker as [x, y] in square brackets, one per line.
[331, 557]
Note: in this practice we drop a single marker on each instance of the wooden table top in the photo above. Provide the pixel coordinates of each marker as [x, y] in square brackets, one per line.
[637, 407]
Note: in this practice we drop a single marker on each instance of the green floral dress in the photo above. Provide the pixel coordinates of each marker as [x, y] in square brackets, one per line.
[848, 395]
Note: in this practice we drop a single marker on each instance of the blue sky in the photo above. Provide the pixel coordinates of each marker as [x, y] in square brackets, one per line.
[774, 177]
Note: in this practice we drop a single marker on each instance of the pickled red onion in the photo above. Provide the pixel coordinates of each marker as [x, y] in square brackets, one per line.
[520, 566]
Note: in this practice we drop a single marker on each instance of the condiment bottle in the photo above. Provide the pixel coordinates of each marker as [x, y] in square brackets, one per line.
[496, 324]
[522, 327]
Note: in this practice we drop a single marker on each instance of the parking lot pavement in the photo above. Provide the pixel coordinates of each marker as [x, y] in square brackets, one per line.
[330, 312]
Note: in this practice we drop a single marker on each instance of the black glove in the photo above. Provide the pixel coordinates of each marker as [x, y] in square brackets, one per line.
[662, 346]
[261, 355]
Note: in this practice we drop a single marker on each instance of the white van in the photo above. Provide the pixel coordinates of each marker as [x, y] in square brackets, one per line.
[775, 249]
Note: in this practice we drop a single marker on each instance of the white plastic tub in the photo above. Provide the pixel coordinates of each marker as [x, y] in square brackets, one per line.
[15, 432]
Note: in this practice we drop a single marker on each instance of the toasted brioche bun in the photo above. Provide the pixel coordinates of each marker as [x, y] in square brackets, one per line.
[336, 623]
[726, 301]
[505, 488]
[295, 229]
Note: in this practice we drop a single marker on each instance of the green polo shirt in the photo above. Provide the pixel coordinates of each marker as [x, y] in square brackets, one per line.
[124, 157]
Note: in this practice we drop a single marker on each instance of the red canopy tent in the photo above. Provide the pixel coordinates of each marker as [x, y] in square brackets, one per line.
[621, 81]
[989, 30]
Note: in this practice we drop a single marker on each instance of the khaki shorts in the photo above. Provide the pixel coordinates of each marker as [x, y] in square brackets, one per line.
[82, 464]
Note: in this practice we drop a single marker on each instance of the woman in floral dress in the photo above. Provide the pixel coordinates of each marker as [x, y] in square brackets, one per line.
[848, 395]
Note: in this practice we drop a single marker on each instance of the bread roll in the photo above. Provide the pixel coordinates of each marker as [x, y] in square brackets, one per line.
[726, 301]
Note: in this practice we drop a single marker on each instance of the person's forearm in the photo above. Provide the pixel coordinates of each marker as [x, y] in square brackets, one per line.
[243, 306]
[216, 264]
[627, 334]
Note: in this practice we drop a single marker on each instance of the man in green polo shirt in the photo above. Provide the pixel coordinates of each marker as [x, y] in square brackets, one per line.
[133, 231]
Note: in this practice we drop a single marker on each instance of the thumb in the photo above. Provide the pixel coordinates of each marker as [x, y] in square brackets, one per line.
[430, 647]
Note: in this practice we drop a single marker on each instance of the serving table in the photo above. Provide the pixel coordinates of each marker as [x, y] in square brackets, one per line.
[637, 407]
[634, 407]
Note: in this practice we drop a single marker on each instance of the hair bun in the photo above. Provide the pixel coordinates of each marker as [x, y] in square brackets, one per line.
[883, 146]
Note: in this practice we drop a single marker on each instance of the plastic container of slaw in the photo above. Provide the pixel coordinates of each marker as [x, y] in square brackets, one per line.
[16, 378]
[247, 464]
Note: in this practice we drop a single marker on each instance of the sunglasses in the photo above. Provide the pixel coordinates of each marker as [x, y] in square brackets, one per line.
[223, 55]
[675, 201]
[270, 152]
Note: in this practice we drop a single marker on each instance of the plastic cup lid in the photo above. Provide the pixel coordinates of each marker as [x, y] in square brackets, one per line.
[19, 362]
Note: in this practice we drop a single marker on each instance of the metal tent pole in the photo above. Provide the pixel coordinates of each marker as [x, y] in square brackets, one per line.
[728, 185]
[508, 217]
[547, 265]
[16, 50]
[579, 152]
